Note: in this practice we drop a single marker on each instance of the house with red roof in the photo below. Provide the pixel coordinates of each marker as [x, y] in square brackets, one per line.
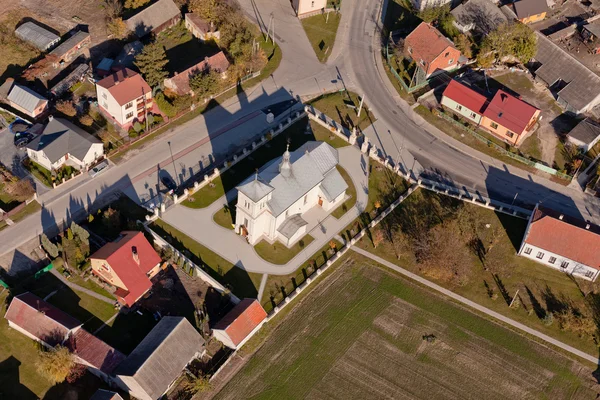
[40, 320]
[431, 51]
[180, 83]
[125, 98]
[129, 262]
[562, 242]
[239, 324]
[464, 101]
[509, 118]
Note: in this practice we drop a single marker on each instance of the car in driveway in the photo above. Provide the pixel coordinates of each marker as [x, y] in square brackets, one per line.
[21, 139]
[168, 183]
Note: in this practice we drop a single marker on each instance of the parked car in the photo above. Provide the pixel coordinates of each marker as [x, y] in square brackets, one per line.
[23, 138]
[169, 183]
[98, 169]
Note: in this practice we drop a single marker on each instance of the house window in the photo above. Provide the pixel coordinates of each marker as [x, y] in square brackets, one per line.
[564, 264]
[451, 61]
[246, 222]
[589, 274]
[105, 105]
[312, 4]
[305, 199]
[509, 134]
[473, 115]
[129, 105]
[129, 115]
[458, 107]
[106, 267]
[104, 96]
[494, 125]
[552, 260]
[539, 255]
[527, 250]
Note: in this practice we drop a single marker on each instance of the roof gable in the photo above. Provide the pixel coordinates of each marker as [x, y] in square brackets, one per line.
[39, 36]
[427, 43]
[465, 96]
[25, 98]
[217, 62]
[510, 112]
[585, 131]
[125, 85]
[70, 43]
[243, 319]
[152, 17]
[94, 351]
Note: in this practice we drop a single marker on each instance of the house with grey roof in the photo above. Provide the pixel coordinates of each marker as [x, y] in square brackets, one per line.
[481, 16]
[150, 370]
[23, 99]
[575, 87]
[40, 37]
[272, 203]
[159, 16]
[585, 134]
[62, 143]
[71, 48]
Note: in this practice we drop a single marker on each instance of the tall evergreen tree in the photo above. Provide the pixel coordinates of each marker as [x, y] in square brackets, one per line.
[152, 61]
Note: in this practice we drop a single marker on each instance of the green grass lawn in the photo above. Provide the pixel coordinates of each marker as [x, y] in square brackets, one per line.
[324, 135]
[540, 288]
[321, 31]
[7, 202]
[370, 322]
[336, 106]
[531, 147]
[240, 282]
[235, 175]
[351, 192]
[278, 253]
[41, 173]
[225, 217]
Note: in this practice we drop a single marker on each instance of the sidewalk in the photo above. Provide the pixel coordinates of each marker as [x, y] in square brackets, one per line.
[81, 288]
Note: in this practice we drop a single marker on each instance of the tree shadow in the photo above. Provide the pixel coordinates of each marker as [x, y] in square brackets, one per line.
[540, 312]
[10, 381]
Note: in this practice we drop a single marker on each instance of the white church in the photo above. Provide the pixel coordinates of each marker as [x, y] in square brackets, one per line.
[272, 202]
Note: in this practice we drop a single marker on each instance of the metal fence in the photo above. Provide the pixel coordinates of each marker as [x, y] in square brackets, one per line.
[388, 58]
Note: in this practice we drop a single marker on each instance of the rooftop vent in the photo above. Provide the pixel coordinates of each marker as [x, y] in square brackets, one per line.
[561, 216]
[587, 226]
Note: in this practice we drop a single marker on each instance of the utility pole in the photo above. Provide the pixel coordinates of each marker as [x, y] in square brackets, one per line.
[362, 99]
[173, 160]
[513, 300]
[269, 28]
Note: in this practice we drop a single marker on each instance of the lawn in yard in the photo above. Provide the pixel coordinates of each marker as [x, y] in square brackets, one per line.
[531, 147]
[41, 173]
[496, 280]
[324, 135]
[350, 192]
[321, 30]
[398, 338]
[29, 209]
[225, 217]
[241, 283]
[7, 202]
[123, 216]
[343, 108]
[294, 135]
[278, 253]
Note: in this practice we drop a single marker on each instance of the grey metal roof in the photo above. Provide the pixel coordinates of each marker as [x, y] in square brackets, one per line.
[484, 14]
[152, 17]
[291, 225]
[585, 131]
[255, 189]
[527, 8]
[61, 137]
[333, 185]
[68, 44]
[593, 28]
[25, 98]
[310, 163]
[40, 37]
[582, 85]
[160, 358]
[70, 80]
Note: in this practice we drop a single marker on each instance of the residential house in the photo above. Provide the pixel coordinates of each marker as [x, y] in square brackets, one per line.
[306, 8]
[271, 203]
[154, 19]
[562, 242]
[431, 51]
[40, 320]
[71, 48]
[154, 365]
[239, 324]
[585, 135]
[125, 97]
[509, 118]
[99, 358]
[180, 83]
[128, 262]
[62, 143]
[481, 16]
[102, 394]
[576, 88]
[530, 11]
[23, 99]
[200, 28]
[40, 37]
[464, 101]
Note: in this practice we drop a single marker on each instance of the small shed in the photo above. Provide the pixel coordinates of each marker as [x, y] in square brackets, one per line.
[104, 67]
[69, 49]
[40, 37]
[590, 34]
[65, 84]
[585, 135]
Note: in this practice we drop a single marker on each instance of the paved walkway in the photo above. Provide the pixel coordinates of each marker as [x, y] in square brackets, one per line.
[199, 224]
[478, 307]
[81, 288]
[263, 284]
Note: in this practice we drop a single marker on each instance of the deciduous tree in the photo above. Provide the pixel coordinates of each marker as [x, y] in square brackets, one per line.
[117, 27]
[133, 4]
[66, 107]
[55, 364]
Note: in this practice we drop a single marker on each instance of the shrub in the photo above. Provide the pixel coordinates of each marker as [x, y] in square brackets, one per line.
[55, 364]
[137, 127]
[50, 247]
[164, 105]
[86, 120]
[67, 108]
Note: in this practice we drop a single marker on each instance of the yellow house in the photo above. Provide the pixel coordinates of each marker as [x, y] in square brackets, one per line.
[509, 118]
[530, 11]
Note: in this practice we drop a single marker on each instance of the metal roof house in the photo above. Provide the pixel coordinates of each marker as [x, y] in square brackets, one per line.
[159, 16]
[482, 16]
[159, 359]
[23, 99]
[68, 50]
[40, 37]
[271, 203]
[585, 135]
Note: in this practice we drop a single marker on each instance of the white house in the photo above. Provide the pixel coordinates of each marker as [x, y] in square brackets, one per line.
[585, 135]
[562, 242]
[62, 143]
[271, 203]
[308, 7]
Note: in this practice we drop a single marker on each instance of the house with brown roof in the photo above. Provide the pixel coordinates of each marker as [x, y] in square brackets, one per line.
[125, 97]
[99, 358]
[431, 51]
[509, 118]
[562, 242]
[154, 19]
[464, 101]
[200, 28]
[128, 262]
[180, 83]
[239, 324]
[530, 11]
[40, 320]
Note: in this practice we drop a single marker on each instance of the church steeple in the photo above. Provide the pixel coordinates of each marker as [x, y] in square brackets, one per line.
[285, 166]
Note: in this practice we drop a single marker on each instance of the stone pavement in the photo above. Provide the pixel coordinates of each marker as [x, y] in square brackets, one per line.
[199, 224]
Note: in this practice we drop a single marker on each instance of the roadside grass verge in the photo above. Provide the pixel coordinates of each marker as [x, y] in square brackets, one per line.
[321, 31]
[278, 253]
[324, 135]
[225, 217]
[343, 108]
[350, 192]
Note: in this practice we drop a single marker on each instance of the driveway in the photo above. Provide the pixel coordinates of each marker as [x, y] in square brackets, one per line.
[236, 250]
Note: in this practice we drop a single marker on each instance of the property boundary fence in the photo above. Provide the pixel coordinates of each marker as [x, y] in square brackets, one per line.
[388, 58]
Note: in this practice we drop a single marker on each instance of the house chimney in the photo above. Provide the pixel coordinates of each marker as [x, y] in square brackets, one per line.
[587, 226]
[561, 217]
[50, 118]
[136, 257]
[503, 97]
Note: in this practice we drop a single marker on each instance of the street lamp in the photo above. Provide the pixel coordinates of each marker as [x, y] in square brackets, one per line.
[173, 160]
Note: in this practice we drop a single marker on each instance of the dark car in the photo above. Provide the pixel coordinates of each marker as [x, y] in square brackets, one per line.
[23, 138]
[18, 126]
[169, 183]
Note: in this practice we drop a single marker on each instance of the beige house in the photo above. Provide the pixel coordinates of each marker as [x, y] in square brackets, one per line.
[23, 99]
[305, 8]
[200, 28]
